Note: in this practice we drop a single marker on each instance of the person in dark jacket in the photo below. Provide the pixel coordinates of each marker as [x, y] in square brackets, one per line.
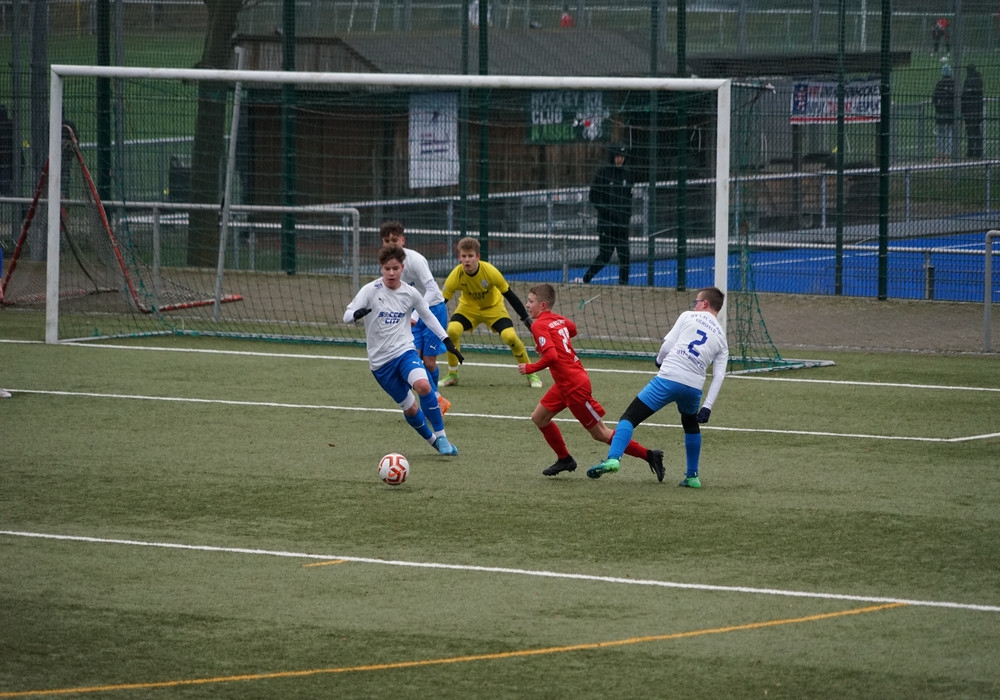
[7, 151]
[943, 99]
[972, 112]
[611, 195]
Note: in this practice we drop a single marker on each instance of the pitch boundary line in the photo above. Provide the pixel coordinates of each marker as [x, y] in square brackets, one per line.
[492, 656]
[323, 407]
[749, 590]
[592, 370]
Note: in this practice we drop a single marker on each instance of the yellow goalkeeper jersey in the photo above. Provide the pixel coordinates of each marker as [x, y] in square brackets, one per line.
[480, 291]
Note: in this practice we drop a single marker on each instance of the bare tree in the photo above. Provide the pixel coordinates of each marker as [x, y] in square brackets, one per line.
[209, 147]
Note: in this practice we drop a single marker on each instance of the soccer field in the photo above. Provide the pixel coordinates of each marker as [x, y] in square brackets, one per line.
[203, 518]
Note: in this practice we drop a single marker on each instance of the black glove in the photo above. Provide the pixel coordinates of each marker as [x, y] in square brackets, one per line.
[449, 345]
[361, 313]
[526, 320]
[703, 414]
[657, 363]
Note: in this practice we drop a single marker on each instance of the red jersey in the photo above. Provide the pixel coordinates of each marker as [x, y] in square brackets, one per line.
[552, 334]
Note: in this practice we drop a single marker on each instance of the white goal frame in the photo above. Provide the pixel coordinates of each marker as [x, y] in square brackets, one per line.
[722, 88]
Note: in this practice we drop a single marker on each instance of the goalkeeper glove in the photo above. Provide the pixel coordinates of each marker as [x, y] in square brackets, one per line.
[703, 414]
[361, 313]
[449, 345]
[526, 320]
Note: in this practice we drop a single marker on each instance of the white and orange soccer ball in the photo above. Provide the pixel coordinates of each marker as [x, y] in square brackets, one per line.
[393, 469]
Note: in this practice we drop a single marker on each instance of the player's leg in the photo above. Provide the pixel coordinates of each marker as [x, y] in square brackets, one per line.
[456, 326]
[394, 382]
[429, 346]
[687, 406]
[651, 399]
[654, 458]
[547, 409]
[417, 378]
[502, 325]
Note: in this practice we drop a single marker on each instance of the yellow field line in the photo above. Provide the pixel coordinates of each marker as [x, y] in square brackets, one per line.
[453, 659]
[325, 563]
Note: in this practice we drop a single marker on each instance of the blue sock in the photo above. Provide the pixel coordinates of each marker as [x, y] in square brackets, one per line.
[419, 423]
[435, 375]
[692, 446]
[621, 439]
[433, 411]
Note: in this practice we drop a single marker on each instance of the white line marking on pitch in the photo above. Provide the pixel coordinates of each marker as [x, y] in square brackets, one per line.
[298, 356]
[274, 404]
[514, 572]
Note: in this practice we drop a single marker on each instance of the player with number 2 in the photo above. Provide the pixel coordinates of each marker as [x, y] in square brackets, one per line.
[570, 386]
[696, 341]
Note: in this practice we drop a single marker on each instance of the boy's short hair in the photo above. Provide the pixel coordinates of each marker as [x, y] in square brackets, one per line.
[389, 228]
[714, 297]
[469, 243]
[390, 252]
[544, 292]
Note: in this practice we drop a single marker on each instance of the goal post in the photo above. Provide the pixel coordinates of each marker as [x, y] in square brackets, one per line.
[528, 179]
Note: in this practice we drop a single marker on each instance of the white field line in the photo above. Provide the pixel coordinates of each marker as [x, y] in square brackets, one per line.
[491, 416]
[513, 572]
[344, 358]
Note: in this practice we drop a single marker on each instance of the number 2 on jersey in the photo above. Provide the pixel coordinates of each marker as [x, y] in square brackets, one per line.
[564, 334]
[702, 339]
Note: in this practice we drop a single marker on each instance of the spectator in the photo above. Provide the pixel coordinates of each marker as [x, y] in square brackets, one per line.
[943, 100]
[611, 195]
[69, 144]
[474, 14]
[939, 32]
[7, 151]
[972, 112]
[566, 21]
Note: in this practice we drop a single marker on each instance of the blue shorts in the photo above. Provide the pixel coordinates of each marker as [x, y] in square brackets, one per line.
[428, 344]
[397, 376]
[659, 392]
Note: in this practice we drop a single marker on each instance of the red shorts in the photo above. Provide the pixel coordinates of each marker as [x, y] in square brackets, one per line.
[584, 407]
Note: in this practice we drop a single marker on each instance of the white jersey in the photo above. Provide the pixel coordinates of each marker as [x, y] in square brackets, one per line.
[387, 327]
[695, 342]
[417, 271]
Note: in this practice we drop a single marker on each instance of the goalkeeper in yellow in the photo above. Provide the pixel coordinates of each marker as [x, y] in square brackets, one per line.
[483, 289]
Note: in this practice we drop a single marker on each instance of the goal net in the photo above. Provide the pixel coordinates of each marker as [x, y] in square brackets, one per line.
[96, 272]
[267, 189]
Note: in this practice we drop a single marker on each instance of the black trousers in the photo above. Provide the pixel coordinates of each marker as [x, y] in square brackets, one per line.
[974, 138]
[611, 238]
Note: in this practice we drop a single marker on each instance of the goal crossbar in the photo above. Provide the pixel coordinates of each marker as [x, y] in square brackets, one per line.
[59, 72]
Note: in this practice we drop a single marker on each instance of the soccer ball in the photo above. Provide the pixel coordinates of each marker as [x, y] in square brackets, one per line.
[393, 469]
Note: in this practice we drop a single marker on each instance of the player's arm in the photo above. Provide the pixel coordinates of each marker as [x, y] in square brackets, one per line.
[571, 327]
[422, 271]
[451, 283]
[358, 308]
[548, 353]
[424, 311]
[515, 303]
[719, 367]
[669, 341]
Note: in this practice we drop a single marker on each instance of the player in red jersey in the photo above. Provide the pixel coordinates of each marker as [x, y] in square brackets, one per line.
[570, 385]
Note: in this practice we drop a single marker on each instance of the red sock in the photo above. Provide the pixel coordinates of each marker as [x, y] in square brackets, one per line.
[634, 449]
[554, 437]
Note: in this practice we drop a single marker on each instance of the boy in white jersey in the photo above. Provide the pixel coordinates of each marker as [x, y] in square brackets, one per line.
[695, 342]
[417, 272]
[386, 305]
